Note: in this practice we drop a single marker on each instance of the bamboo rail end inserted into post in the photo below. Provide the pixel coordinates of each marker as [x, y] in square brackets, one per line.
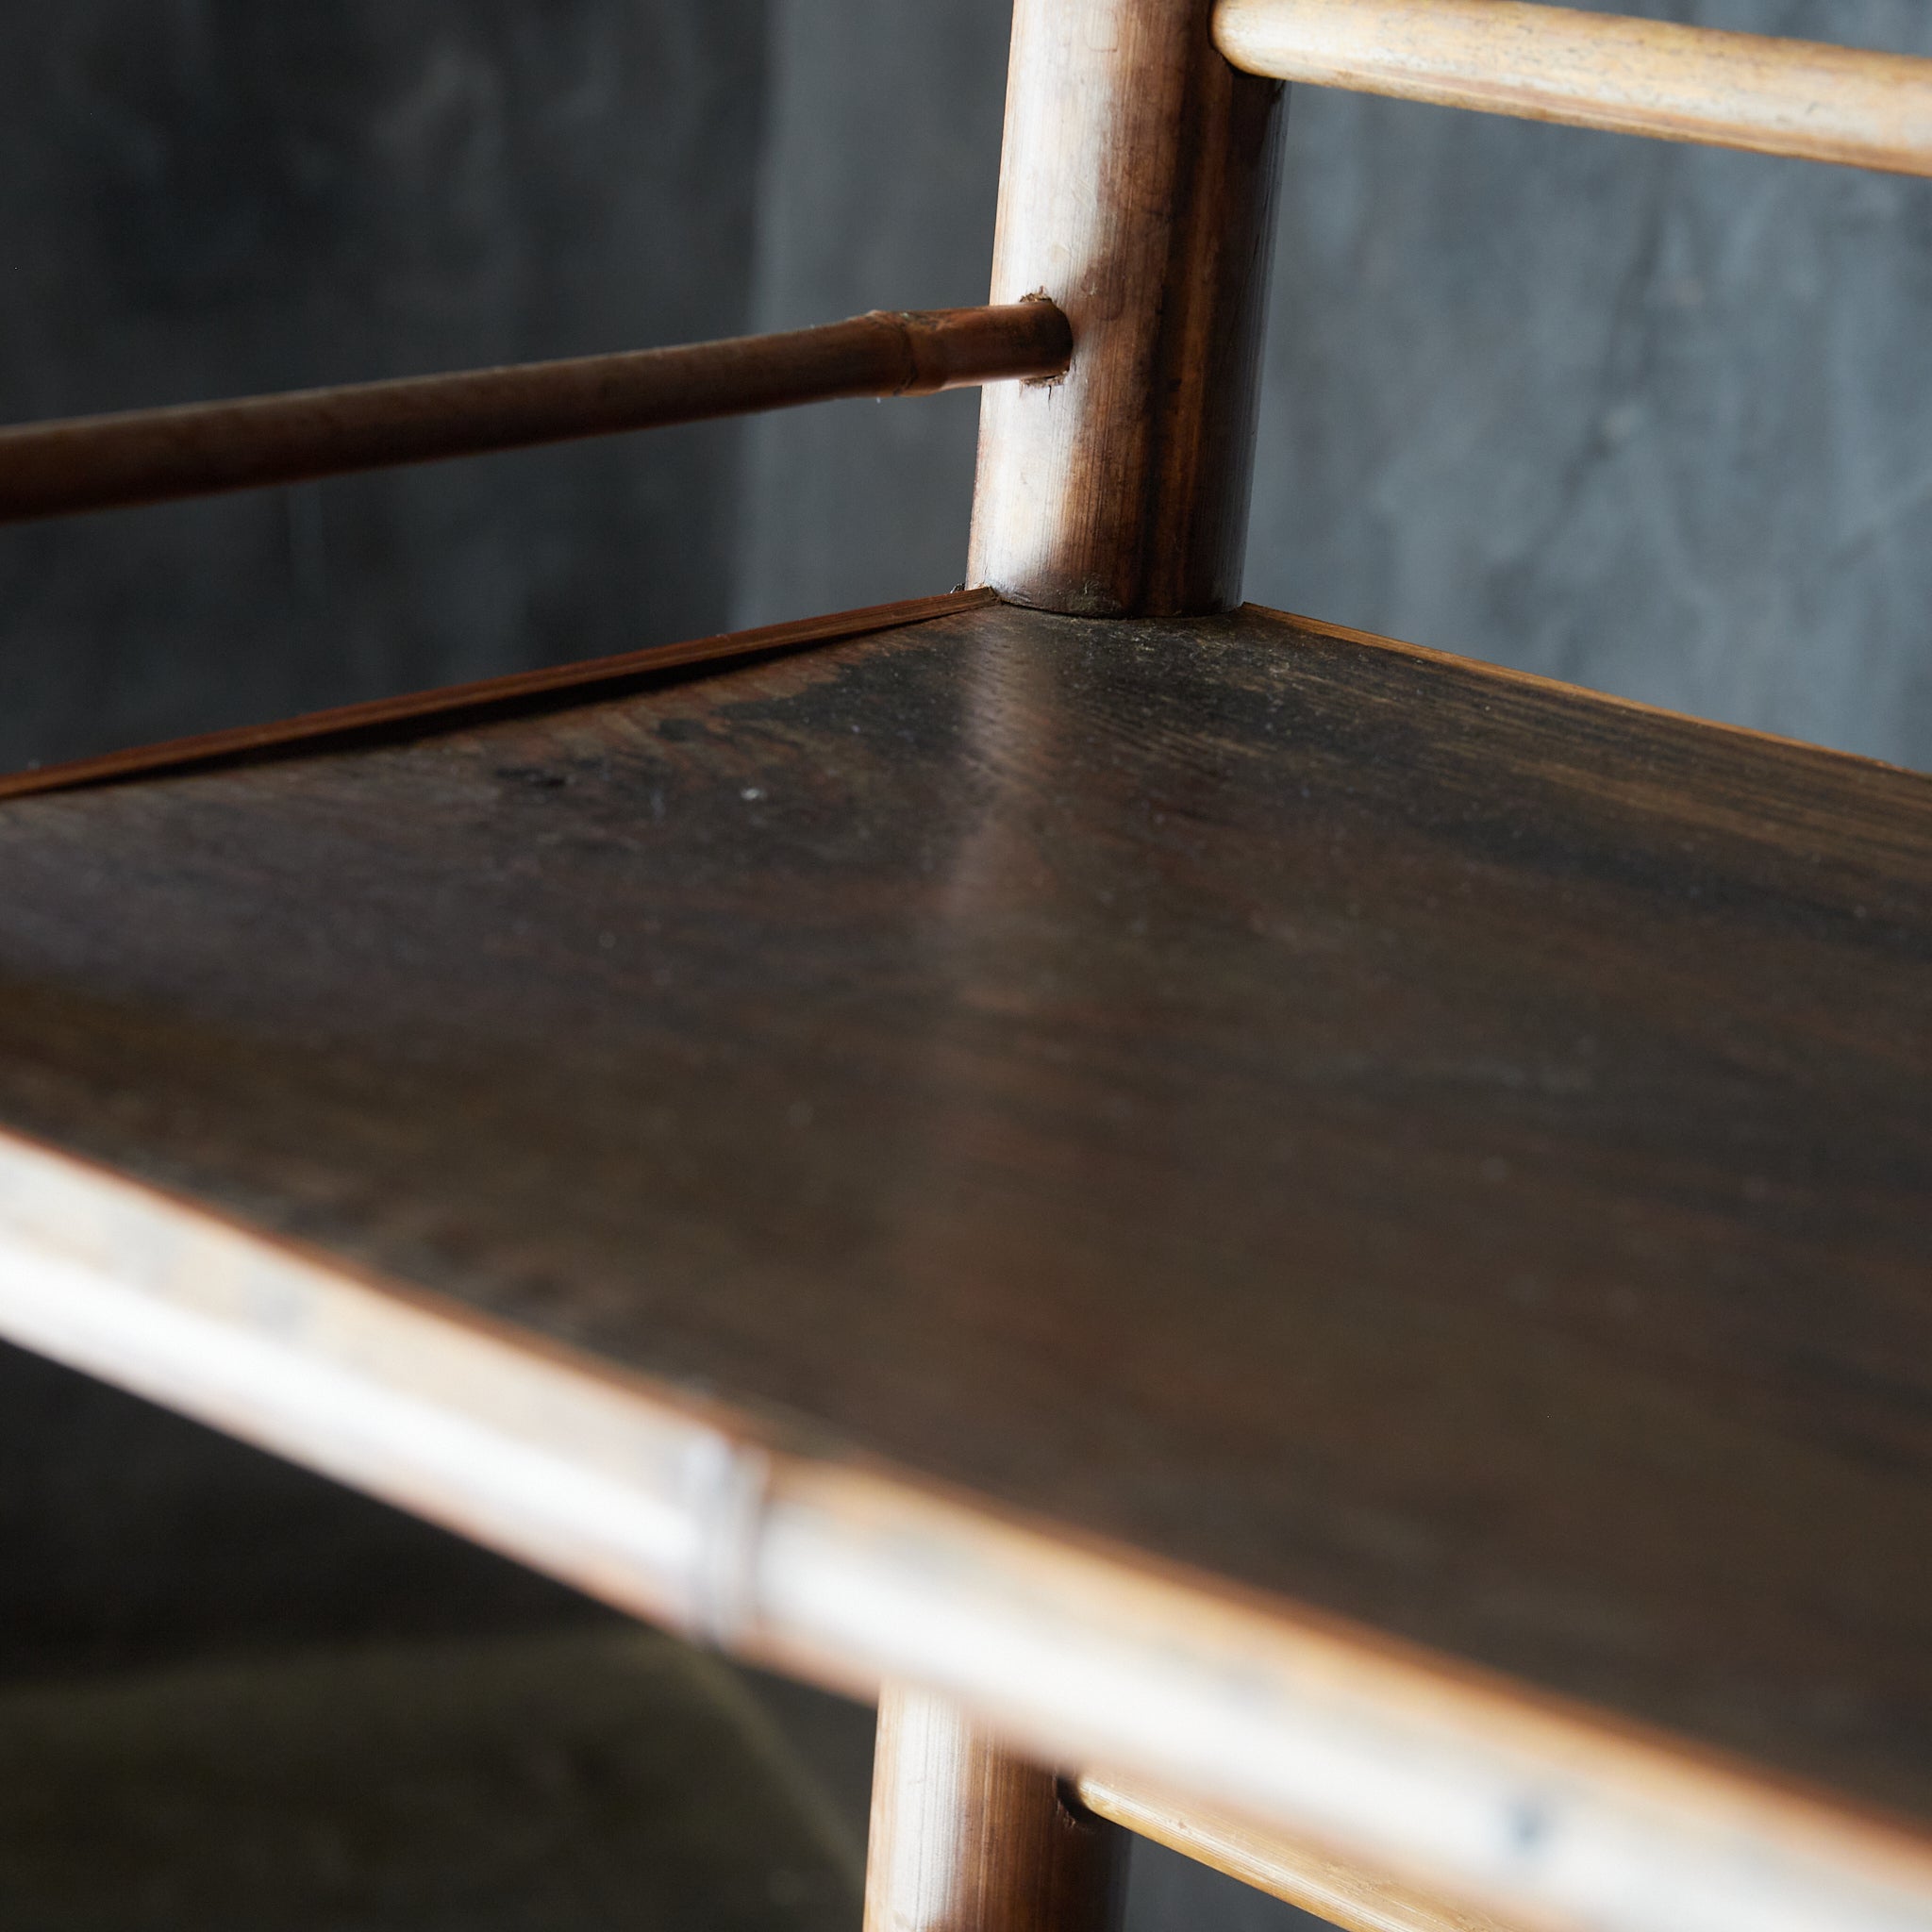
[1595, 70]
[155, 455]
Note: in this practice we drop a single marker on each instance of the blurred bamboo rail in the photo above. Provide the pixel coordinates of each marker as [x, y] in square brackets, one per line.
[968, 1835]
[1340, 1893]
[151, 456]
[1593, 70]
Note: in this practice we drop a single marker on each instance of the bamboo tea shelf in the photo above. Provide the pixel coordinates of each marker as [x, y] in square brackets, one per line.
[1281, 1242]
[1334, 1226]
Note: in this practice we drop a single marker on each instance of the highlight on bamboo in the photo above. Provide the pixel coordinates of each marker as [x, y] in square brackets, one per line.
[1654, 78]
[154, 455]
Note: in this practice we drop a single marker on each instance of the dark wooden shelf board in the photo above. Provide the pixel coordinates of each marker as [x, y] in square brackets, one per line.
[1426, 1153]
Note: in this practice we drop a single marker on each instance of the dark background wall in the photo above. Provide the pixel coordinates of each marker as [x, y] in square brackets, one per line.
[1653, 419]
[200, 197]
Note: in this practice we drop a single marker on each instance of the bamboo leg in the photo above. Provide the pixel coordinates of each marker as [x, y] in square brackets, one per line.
[1137, 189]
[967, 1838]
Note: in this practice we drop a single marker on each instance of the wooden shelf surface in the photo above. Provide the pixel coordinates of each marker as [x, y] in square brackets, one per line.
[1433, 1162]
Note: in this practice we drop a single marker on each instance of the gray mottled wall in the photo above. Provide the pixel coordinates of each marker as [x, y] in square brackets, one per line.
[200, 197]
[1653, 419]
[881, 170]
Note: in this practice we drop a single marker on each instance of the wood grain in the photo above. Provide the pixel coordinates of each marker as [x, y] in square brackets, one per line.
[1336, 1889]
[969, 1837]
[1335, 1229]
[1136, 190]
[1596, 70]
[387, 719]
[199, 449]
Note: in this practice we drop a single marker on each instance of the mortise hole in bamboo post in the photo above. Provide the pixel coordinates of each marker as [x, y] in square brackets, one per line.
[1137, 191]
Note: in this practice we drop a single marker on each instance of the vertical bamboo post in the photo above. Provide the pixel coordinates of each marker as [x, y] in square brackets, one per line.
[967, 1838]
[1137, 191]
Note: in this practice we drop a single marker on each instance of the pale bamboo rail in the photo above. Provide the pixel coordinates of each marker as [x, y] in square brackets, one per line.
[1338, 1892]
[1594, 70]
[150, 456]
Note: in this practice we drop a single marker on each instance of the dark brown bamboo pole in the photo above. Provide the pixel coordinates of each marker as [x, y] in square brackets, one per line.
[104, 462]
[1600, 70]
[1136, 190]
[968, 1837]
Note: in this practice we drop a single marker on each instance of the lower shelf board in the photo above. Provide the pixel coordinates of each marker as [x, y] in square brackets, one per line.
[1391, 1198]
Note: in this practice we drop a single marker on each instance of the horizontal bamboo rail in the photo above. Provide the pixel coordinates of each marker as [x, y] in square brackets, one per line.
[151, 456]
[677, 1508]
[1596, 70]
[1344, 1894]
